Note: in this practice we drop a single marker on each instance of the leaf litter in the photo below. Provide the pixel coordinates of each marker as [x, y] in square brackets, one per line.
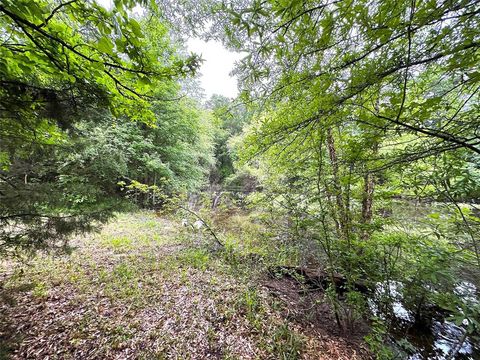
[140, 289]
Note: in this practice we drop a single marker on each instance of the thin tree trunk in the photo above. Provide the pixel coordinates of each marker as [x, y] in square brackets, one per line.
[367, 202]
[153, 192]
[332, 153]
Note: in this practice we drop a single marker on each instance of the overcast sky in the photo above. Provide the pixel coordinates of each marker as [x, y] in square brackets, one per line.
[215, 71]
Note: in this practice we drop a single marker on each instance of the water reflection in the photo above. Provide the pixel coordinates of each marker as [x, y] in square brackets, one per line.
[441, 340]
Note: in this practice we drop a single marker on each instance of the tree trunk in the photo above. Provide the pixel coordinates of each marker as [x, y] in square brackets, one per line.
[332, 153]
[367, 202]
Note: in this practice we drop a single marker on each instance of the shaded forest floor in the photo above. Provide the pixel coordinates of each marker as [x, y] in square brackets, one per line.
[146, 288]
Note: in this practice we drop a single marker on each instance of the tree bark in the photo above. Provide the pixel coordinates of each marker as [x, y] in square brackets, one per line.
[332, 153]
[367, 202]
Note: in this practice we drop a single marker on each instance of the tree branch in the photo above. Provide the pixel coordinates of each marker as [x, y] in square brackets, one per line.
[55, 11]
[204, 223]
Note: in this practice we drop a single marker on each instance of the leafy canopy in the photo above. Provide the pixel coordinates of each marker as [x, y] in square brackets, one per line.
[70, 74]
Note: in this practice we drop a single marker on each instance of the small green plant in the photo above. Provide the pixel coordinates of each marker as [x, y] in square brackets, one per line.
[287, 344]
[376, 340]
[252, 306]
[120, 335]
[123, 272]
[230, 251]
[117, 242]
[40, 290]
[332, 297]
[196, 258]
[353, 308]
[150, 224]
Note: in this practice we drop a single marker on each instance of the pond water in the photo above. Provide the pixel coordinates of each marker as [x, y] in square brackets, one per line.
[437, 341]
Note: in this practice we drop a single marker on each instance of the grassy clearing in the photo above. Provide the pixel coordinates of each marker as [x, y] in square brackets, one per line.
[145, 288]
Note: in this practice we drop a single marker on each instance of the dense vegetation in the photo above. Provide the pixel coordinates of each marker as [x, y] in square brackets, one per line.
[353, 149]
[89, 98]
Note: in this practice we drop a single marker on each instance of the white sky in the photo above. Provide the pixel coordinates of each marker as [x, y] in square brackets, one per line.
[215, 70]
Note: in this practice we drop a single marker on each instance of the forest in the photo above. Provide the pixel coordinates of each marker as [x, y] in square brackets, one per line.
[329, 210]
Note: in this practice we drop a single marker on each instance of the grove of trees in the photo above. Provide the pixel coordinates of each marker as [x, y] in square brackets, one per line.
[358, 123]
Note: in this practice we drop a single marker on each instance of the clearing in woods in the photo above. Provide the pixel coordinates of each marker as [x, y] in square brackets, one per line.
[147, 288]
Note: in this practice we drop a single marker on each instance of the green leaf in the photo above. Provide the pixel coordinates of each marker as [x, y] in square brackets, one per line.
[105, 45]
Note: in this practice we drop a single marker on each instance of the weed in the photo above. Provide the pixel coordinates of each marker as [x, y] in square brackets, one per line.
[120, 335]
[150, 224]
[117, 242]
[184, 278]
[287, 344]
[250, 303]
[196, 258]
[40, 290]
[123, 272]
[376, 340]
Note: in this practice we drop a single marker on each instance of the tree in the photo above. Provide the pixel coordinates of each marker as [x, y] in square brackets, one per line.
[65, 68]
[229, 120]
[376, 84]
[360, 98]
[337, 57]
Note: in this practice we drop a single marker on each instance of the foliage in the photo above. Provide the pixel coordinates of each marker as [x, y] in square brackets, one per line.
[88, 98]
[64, 52]
[358, 127]
[364, 105]
[376, 340]
[229, 119]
